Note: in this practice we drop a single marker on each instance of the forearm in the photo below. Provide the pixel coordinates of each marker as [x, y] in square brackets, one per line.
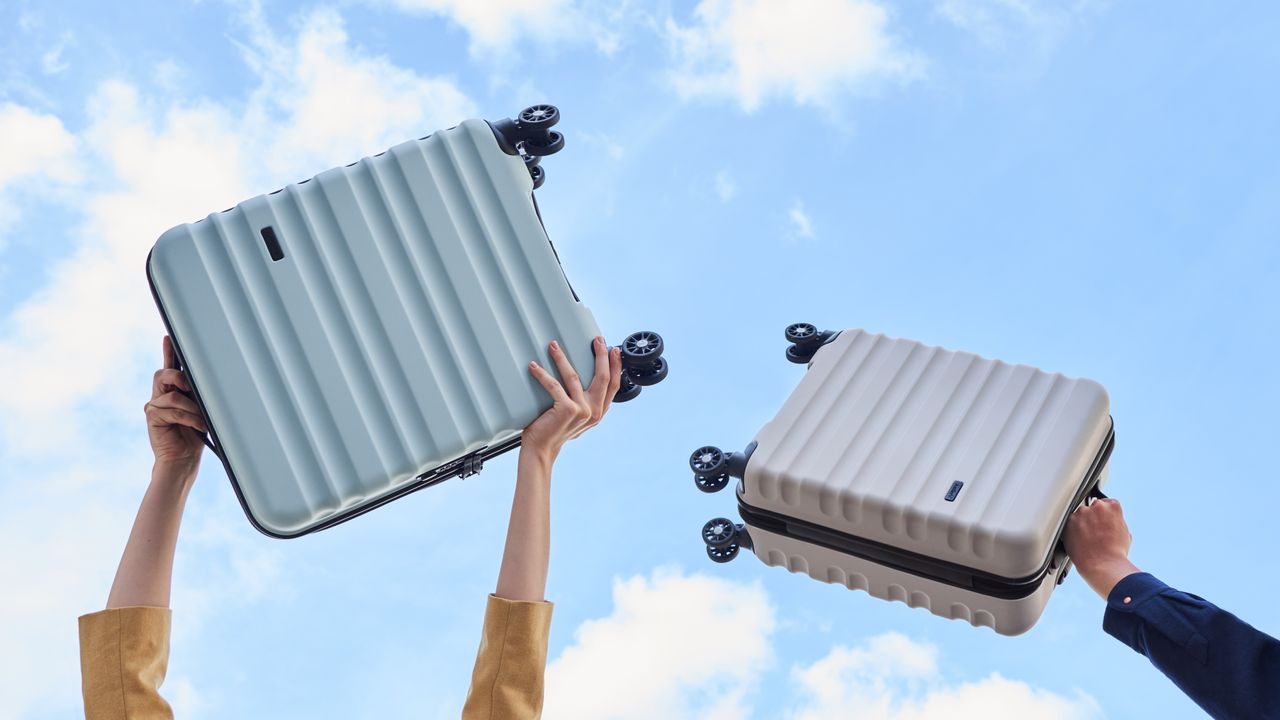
[1222, 663]
[523, 575]
[146, 568]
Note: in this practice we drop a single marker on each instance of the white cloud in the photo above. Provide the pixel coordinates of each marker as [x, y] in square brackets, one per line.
[601, 141]
[676, 646]
[187, 702]
[323, 101]
[726, 187]
[801, 225]
[29, 22]
[497, 23]
[52, 62]
[220, 565]
[891, 677]
[682, 646]
[167, 74]
[35, 150]
[81, 333]
[997, 22]
[810, 51]
[496, 26]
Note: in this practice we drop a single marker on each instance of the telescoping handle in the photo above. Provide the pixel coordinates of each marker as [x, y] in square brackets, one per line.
[1096, 494]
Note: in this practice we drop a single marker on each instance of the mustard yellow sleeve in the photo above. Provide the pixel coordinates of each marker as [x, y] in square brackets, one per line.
[506, 683]
[123, 657]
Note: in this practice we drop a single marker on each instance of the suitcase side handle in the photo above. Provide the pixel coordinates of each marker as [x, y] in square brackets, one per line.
[177, 364]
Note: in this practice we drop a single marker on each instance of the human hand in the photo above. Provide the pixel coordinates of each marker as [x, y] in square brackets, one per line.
[1097, 540]
[575, 411]
[174, 423]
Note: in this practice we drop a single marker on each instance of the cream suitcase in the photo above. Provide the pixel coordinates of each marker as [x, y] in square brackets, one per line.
[930, 476]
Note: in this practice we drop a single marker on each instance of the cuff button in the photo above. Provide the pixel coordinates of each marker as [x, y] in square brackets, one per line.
[1127, 599]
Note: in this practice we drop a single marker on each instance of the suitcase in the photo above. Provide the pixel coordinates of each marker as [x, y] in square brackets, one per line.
[365, 333]
[934, 477]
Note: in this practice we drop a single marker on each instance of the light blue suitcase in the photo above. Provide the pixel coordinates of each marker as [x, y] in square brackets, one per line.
[365, 333]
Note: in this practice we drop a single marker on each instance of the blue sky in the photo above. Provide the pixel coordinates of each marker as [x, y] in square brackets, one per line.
[1085, 186]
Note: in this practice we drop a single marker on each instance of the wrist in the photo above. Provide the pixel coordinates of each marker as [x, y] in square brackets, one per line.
[174, 473]
[1103, 575]
[538, 459]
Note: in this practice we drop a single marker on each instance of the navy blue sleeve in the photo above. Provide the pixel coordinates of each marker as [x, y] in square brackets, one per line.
[1222, 663]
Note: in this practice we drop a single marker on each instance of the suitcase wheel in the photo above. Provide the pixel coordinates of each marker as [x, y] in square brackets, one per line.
[538, 117]
[538, 174]
[805, 339]
[642, 349]
[720, 532]
[798, 356]
[801, 333]
[722, 555]
[710, 469]
[553, 144]
[711, 485]
[530, 133]
[627, 391]
[651, 374]
[707, 460]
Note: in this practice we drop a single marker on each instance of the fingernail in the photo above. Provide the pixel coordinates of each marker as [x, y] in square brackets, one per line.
[532, 364]
[599, 340]
[555, 345]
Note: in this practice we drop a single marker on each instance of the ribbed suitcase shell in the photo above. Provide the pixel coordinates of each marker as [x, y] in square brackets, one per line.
[391, 339]
[872, 441]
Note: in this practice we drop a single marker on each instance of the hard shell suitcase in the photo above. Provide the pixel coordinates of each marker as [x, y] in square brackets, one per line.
[366, 332]
[930, 476]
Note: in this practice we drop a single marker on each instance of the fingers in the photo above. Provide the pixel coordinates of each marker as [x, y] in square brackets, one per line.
[177, 401]
[615, 378]
[572, 383]
[174, 408]
[167, 380]
[552, 386]
[161, 416]
[615, 382]
[1104, 508]
[577, 410]
[600, 381]
[168, 377]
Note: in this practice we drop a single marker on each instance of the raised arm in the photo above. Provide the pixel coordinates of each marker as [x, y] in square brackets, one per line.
[124, 649]
[1227, 667]
[507, 680]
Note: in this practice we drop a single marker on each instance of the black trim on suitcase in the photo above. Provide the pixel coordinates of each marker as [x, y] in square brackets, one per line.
[949, 573]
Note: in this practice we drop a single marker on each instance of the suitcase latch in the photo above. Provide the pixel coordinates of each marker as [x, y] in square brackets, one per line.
[471, 465]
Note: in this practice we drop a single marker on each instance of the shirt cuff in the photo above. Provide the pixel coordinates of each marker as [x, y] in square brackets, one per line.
[124, 653]
[507, 681]
[1123, 619]
[534, 612]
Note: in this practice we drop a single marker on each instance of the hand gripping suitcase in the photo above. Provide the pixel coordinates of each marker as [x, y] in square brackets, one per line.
[366, 332]
[934, 477]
